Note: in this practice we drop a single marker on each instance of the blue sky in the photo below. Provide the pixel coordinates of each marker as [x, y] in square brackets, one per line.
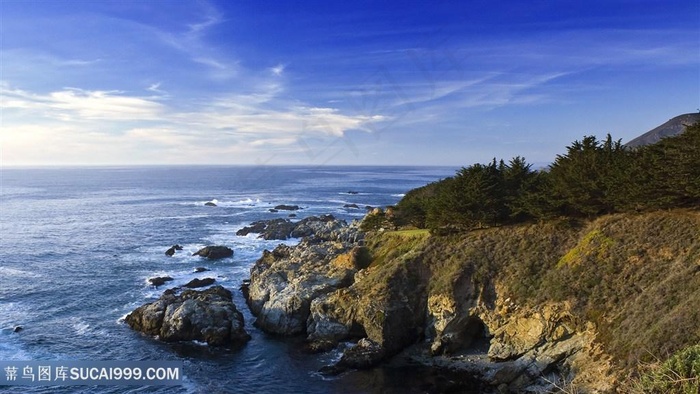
[325, 82]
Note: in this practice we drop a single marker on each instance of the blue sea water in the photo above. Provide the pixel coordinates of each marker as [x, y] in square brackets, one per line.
[77, 246]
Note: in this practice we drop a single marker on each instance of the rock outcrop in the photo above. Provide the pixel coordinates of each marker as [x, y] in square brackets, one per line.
[386, 304]
[281, 229]
[285, 281]
[326, 289]
[214, 252]
[208, 316]
[524, 346]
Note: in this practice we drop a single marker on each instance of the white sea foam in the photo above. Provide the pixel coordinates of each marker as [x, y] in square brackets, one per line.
[8, 272]
[243, 203]
[399, 195]
[80, 326]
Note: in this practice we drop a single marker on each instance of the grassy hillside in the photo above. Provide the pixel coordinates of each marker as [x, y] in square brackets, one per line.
[636, 277]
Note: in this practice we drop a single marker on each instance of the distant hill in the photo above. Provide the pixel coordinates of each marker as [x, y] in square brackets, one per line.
[673, 127]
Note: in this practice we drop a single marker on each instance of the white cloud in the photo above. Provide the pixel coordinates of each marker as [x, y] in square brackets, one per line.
[277, 70]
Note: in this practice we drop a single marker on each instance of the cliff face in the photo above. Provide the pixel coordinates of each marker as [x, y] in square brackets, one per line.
[518, 306]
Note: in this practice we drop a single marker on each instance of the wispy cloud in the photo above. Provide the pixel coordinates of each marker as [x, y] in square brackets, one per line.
[192, 42]
[155, 87]
[76, 62]
[77, 104]
[247, 124]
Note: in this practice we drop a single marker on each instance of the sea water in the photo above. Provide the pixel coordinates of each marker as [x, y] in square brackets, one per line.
[77, 246]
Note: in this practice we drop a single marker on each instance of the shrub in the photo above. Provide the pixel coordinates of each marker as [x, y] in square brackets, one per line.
[680, 374]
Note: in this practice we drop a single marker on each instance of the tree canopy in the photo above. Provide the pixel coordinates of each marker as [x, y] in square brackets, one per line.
[591, 178]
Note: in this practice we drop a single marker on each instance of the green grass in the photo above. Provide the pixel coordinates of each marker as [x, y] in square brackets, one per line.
[389, 245]
[420, 232]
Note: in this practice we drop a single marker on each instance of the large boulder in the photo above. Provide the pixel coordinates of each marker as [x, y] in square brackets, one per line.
[208, 316]
[196, 282]
[214, 252]
[365, 354]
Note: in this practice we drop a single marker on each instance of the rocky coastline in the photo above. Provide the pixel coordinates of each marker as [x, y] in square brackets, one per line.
[330, 288]
[339, 285]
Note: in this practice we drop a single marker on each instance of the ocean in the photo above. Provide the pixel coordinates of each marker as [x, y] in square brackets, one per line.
[77, 246]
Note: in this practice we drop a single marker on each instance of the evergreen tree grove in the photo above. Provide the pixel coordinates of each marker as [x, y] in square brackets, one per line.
[592, 178]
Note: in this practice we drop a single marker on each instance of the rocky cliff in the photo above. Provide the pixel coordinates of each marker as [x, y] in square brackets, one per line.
[526, 307]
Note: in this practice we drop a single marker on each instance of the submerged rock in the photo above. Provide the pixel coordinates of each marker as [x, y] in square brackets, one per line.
[207, 315]
[201, 269]
[214, 252]
[17, 329]
[284, 207]
[172, 250]
[159, 280]
[209, 204]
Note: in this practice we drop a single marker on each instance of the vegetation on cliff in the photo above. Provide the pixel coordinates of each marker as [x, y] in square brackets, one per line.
[592, 178]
